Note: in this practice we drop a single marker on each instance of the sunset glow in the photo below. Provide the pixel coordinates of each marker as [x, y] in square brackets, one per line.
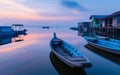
[12, 9]
[29, 40]
[45, 10]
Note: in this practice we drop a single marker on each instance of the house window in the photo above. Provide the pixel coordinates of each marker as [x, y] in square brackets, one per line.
[118, 19]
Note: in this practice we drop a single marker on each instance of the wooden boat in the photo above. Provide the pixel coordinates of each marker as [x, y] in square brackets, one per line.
[68, 54]
[106, 55]
[104, 45]
[64, 69]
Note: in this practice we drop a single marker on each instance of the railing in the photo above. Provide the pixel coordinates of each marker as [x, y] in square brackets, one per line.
[117, 26]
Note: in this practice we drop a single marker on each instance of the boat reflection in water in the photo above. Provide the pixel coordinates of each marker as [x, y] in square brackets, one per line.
[18, 38]
[64, 69]
[112, 57]
[9, 40]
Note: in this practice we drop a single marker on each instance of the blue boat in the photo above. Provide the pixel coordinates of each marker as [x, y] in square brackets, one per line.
[64, 69]
[111, 45]
[68, 54]
[11, 31]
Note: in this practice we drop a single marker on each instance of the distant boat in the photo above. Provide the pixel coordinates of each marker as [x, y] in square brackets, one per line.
[45, 27]
[74, 28]
[104, 45]
[10, 31]
[68, 54]
[13, 33]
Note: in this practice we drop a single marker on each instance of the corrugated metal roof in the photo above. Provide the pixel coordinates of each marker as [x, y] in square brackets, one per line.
[98, 16]
[105, 16]
[114, 14]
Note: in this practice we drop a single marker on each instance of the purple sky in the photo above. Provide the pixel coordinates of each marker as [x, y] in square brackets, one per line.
[53, 12]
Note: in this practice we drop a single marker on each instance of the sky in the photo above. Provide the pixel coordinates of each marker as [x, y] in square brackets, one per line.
[53, 12]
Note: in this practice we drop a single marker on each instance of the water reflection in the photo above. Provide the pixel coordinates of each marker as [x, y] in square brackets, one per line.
[8, 40]
[18, 38]
[111, 57]
[63, 69]
[5, 40]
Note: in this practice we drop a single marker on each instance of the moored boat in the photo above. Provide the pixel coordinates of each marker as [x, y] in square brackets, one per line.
[104, 45]
[64, 69]
[111, 57]
[68, 54]
[11, 31]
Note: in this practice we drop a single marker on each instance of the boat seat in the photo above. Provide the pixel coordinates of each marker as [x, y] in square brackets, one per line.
[71, 50]
[75, 55]
[76, 58]
[55, 43]
[75, 49]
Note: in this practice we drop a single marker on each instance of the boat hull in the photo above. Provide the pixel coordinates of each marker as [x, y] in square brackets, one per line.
[64, 60]
[69, 60]
[73, 65]
[11, 34]
[116, 52]
[64, 69]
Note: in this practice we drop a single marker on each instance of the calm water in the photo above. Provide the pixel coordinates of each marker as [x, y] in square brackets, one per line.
[33, 55]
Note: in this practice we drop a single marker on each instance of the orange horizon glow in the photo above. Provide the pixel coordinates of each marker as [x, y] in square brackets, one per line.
[29, 16]
[28, 40]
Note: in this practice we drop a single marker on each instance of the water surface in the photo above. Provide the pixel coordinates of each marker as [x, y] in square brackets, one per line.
[32, 56]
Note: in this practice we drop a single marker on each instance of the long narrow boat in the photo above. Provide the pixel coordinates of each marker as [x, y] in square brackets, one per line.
[104, 45]
[68, 54]
[64, 69]
[108, 56]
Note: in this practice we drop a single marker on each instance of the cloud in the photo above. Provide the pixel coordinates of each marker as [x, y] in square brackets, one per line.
[14, 9]
[19, 10]
[72, 4]
[13, 5]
